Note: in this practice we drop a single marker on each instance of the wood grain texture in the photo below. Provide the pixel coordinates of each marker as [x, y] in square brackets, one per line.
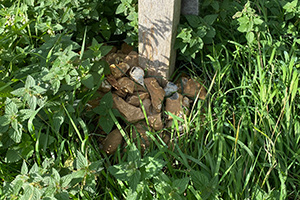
[158, 20]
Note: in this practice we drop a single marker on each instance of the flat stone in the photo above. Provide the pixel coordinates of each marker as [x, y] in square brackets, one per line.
[157, 93]
[155, 122]
[114, 83]
[115, 58]
[135, 98]
[132, 59]
[105, 86]
[174, 105]
[137, 74]
[112, 141]
[147, 105]
[170, 88]
[130, 112]
[191, 89]
[126, 85]
[118, 70]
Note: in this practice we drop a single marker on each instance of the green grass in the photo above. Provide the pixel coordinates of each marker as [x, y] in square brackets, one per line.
[241, 142]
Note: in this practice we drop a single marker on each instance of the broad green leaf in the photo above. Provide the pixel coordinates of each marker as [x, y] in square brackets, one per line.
[26, 114]
[32, 102]
[200, 180]
[12, 156]
[88, 81]
[55, 175]
[96, 166]
[210, 19]
[58, 120]
[16, 132]
[4, 120]
[250, 37]
[193, 20]
[30, 82]
[120, 171]
[134, 180]
[10, 107]
[181, 184]
[153, 167]
[134, 155]
[24, 169]
[81, 161]
[106, 123]
[121, 8]
[105, 104]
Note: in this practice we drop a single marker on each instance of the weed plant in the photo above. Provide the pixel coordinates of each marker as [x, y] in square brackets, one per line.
[241, 142]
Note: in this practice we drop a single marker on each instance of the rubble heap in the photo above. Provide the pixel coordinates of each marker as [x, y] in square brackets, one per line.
[134, 94]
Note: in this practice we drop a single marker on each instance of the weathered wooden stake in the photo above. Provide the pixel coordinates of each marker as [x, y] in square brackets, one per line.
[158, 20]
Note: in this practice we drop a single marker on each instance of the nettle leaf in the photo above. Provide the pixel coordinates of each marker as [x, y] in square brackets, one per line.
[58, 120]
[106, 123]
[19, 92]
[32, 102]
[153, 167]
[12, 156]
[134, 180]
[105, 104]
[16, 132]
[26, 114]
[10, 107]
[120, 171]
[81, 161]
[193, 20]
[181, 184]
[88, 81]
[24, 169]
[30, 82]
[4, 120]
[210, 19]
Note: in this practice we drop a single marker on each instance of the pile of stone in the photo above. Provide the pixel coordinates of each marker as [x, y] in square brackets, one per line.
[138, 97]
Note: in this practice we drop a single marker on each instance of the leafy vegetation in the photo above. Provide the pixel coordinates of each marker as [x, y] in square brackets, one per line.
[241, 142]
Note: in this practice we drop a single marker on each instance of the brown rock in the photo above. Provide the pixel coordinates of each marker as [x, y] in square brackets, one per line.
[132, 59]
[105, 86]
[126, 48]
[135, 98]
[130, 112]
[112, 141]
[115, 58]
[191, 89]
[147, 106]
[155, 122]
[126, 85]
[118, 70]
[174, 105]
[139, 88]
[112, 80]
[157, 93]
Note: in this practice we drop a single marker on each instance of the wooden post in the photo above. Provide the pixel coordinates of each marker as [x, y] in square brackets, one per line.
[158, 20]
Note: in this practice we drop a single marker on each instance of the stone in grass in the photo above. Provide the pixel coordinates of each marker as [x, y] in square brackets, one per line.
[147, 105]
[191, 89]
[135, 98]
[118, 70]
[105, 86]
[157, 93]
[137, 74]
[126, 85]
[131, 113]
[174, 105]
[112, 141]
[170, 88]
[155, 121]
[132, 59]
[115, 58]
